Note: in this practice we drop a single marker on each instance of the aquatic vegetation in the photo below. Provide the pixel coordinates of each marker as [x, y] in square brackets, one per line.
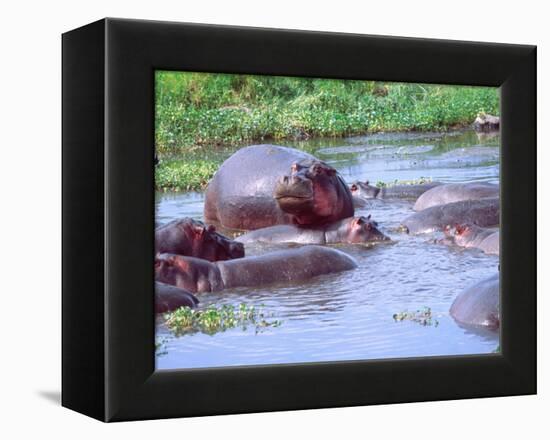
[160, 347]
[422, 316]
[419, 181]
[214, 319]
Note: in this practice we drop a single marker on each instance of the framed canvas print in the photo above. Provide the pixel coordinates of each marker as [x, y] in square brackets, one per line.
[262, 219]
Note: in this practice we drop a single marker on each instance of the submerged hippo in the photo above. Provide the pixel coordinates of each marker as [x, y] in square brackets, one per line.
[484, 212]
[479, 304]
[472, 236]
[290, 265]
[193, 238]
[349, 230]
[168, 298]
[363, 190]
[266, 185]
[455, 192]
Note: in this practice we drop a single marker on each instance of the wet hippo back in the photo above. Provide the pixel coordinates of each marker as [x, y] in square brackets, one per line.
[240, 195]
[484, 212]
[455, 192]
[287, 266]
[364, 190]
[478, 305]
[168, 298]
[491, 245]
[265, 185]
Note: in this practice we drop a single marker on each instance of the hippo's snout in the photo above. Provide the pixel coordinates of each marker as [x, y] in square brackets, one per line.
[293, 186]
[236, 249]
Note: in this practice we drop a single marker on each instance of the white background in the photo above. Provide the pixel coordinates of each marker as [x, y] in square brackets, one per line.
[30, 102]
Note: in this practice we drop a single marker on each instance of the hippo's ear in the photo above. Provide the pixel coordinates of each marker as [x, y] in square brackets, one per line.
[357, 222]
[368, 217]
[353, 187]
[366, 182]
[211, 228]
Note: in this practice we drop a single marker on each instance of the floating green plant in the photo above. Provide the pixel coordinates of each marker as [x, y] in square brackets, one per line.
[422, 316]
[419, 181]
[215, 319]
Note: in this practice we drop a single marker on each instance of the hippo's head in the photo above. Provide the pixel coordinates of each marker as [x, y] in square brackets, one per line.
[461, 233]
[195, 239]
[364, 190]
[189, 273]
[363, 230]
[313, 192]
[211, 245]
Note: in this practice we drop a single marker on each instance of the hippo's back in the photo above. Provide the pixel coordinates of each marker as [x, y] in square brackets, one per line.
[479, 304]
[455, 192]
[484, 213]
[254, 170]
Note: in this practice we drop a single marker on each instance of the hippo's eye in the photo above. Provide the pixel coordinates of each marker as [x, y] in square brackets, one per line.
[294, 167]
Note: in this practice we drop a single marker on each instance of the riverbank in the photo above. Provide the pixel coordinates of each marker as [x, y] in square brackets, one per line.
[200, 117]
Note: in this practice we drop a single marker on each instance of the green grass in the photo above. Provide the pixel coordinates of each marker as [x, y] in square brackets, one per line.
[198, 112]
[181, 175]
[215, 319]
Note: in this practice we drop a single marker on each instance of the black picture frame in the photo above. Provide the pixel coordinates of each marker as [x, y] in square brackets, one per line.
[108, 219]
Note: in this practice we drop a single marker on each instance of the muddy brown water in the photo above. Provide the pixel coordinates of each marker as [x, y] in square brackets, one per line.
[349, 316]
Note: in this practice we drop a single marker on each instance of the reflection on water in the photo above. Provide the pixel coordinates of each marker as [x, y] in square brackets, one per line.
[348, 316]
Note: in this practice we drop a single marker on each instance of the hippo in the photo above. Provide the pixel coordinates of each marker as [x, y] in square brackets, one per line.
[266, 185]
[289, 265]
[486, 123]
[472, 236]
[349, 230]
[363, 190]
[193, 238]
[478, 305]
[455, 192]
[168, 298]
[484, 212]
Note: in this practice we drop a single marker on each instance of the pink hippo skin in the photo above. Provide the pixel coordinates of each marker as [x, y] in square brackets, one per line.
[350, 230]
[472, 236]
[193, 238]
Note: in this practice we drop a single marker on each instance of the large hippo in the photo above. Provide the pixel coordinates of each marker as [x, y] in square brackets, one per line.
[349, 230]
[168, 298]
[484, 212]
[266, 185]
[362, 191]
[193, 238]
[472, 236]
[479, 304]
[290, 265]
[455, 192]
